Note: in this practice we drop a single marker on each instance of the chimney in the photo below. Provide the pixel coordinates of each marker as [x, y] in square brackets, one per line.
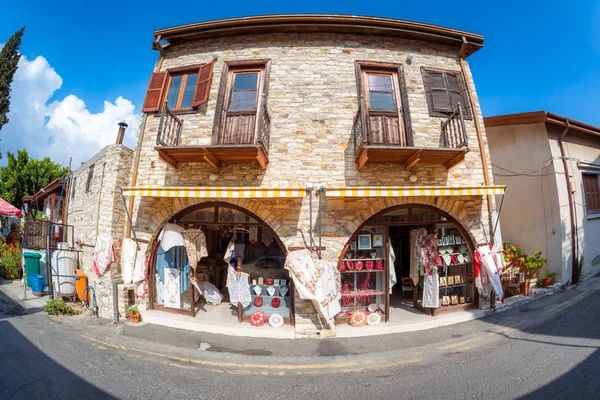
[121, 134]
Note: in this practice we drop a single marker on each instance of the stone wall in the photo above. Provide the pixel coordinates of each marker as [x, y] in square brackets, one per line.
[312, 102]
[100, 211]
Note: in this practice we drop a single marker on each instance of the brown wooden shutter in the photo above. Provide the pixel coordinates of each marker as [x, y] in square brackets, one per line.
[203, 84]
[263, 105]
[364, 117]
[405, 108]
[154, 95]
[591, 189]
[465, 103]
[439, 92]
[220, 105]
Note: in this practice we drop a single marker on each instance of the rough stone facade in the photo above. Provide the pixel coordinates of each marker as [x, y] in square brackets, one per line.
[312, 103]
[100, 210]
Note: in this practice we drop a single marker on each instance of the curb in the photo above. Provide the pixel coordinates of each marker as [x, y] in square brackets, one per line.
[520, 300]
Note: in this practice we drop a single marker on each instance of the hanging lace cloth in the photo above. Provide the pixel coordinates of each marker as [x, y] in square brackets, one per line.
[195, 246]
[392, 260]
[415, 235]
[427, 246]
[486, 272]
[103, 255]
[239, 288]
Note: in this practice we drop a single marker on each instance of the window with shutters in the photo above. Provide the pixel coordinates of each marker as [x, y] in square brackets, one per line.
[444, 91]
[90, 177]
[381, 88]
[182, 89]
[241, 106]
[591, 189]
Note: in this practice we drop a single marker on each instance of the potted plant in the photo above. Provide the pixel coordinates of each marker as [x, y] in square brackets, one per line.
[548, 279]
[133, 314]
[10, 258]
[532, 265]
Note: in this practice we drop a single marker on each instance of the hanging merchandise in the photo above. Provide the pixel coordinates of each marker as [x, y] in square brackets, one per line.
[239, 288]
[129, 250]
[171, 235]
[486, 272]
[139, 274]
[103, 255]
[392, 260]
[276, 321]
[266, 237]
[195, 246]
[172, 295]
[427, 247]
[253, 235]
[317, 281]
[415, 235]
[209, 292]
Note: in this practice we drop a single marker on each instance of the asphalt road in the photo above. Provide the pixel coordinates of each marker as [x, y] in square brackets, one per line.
[548, 349]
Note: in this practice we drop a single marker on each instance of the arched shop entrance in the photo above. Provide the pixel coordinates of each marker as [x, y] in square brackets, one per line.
[176, 286]
[368, 272]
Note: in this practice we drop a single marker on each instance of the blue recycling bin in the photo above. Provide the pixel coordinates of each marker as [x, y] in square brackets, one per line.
[37, 284]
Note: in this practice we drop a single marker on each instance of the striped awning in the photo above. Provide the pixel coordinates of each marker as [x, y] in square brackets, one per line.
[215, 192]
[407, 191]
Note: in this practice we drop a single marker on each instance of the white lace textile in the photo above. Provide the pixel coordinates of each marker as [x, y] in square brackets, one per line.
[239, 288]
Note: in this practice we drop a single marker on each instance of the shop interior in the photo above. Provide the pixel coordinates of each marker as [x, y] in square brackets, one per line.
[201, 290]
[453, 262]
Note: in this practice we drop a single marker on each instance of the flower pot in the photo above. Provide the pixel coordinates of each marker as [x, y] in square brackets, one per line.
[524, 288]
[547, 282]
[134, 318]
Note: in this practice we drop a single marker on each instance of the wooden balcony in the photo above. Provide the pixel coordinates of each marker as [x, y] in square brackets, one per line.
[237, 144]
[382, 143]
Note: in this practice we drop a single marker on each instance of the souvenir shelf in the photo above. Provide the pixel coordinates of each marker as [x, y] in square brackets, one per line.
[283, 293]
[363, 280]
[456, 275]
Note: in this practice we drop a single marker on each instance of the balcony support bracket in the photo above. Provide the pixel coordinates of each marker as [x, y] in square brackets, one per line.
[413, 160]
[211, 159]
[455, 161]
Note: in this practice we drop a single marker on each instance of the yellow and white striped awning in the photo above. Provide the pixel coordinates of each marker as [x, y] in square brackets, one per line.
[407, 191]
[215, 192]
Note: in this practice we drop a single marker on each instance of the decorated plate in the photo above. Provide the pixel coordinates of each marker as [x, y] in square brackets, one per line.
[372, 307]
[276, 321]
[374, 319]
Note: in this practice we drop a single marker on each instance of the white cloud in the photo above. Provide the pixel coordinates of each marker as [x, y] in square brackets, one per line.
[59, 129]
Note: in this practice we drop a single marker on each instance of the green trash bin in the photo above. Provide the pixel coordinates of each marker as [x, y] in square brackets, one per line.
[32, 265]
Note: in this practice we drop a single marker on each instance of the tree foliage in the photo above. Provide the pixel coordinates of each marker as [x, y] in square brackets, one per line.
[9, 60]
[24, 176]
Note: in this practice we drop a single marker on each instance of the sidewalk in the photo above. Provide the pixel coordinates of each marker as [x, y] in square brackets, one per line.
[14, 290]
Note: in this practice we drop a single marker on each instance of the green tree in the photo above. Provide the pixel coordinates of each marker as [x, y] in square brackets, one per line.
[24, 176]
[9, 60]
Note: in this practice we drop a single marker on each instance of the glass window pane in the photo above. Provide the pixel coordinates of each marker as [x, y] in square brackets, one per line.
[400, 215]
[232, 215]
[420, 214]
[174, 91]
[188, 91]
[382, 101]
[243, 100]
[380, 83]
[203, 215]
[245, 81]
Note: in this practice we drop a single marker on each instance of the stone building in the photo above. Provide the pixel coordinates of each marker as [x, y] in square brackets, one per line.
[334, 133]
[337, 134]
[96, 208]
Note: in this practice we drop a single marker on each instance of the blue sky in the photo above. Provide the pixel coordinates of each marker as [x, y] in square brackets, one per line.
[538, 55]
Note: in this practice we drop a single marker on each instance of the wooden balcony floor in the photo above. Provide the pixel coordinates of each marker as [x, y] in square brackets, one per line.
[213, 155]
[409, 156]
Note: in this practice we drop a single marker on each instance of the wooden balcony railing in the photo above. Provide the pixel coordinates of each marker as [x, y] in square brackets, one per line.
[169, 128]
[454, 135]
[380, 139]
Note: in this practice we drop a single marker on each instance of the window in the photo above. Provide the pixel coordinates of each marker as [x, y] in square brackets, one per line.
[74, 188]
[243, 92]
[241, 105]
[444, 90]
[384, 106]
[591, 190]
[183, 88]
[181, 91]
[90, 177]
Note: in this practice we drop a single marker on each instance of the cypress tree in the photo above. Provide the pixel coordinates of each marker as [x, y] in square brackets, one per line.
[9, 59]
